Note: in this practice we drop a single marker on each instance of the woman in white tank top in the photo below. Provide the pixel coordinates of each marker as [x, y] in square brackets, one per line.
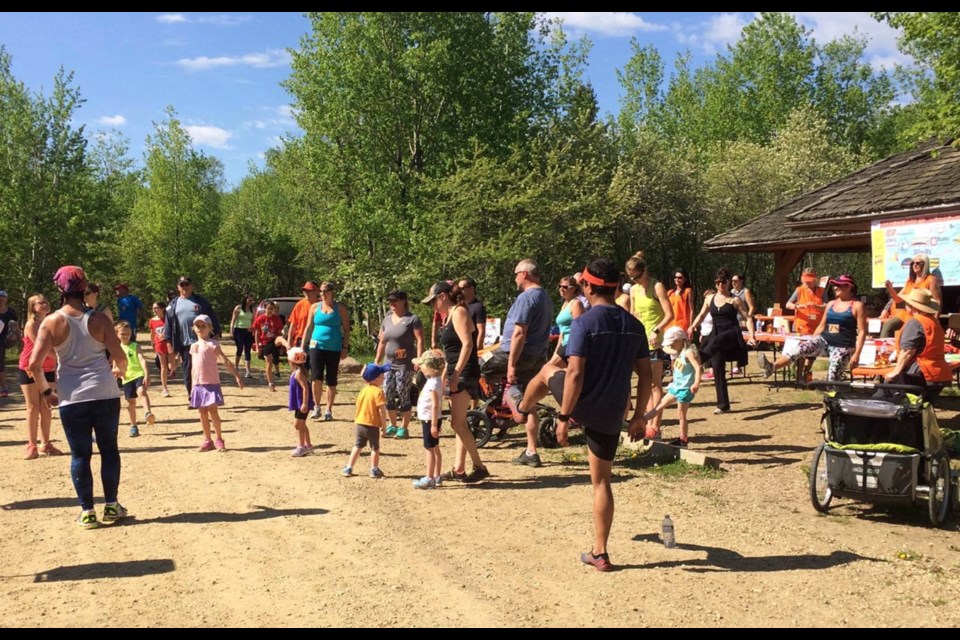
[90, 361]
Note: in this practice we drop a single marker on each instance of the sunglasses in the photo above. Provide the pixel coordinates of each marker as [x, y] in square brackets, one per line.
[564, 286]
[720, 281]
[918, 263]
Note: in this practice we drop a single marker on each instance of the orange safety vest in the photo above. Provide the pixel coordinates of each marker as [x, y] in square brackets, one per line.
[807, 319]
[900, 310]
[931, 361]
[682, 304]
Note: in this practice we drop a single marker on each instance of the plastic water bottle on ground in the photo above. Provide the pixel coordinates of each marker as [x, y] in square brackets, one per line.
[669, 540]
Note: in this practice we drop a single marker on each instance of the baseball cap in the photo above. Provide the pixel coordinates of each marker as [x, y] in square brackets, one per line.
[397, 294]
[441, 287]
[184, 280]
[3, 294]
[430, 359]
[121, 285]
[372, 371]
[296, 355]
[310, 285]
[204, 318]
[671, 337]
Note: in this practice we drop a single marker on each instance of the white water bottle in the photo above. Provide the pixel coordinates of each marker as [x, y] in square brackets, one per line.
[669, 540]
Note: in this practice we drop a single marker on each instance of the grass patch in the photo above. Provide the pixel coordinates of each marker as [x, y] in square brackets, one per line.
[672, 470]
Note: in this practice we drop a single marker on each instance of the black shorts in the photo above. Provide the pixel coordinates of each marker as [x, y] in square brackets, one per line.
[496, 367]
[429, 442]
[130, 388]
[322, 361]
[469, 382]
[51, 376]
[270, 352]
[299, 415]
[601, 444]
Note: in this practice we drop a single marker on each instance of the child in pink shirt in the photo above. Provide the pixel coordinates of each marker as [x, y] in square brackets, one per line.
[207, 395]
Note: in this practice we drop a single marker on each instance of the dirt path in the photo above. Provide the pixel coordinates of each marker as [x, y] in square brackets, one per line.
[254, 537]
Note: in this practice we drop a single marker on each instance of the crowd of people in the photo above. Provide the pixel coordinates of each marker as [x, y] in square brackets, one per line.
[612, 326]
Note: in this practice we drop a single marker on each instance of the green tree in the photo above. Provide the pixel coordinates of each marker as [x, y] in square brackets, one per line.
[933, 39]
[44, 180]
[176, 213]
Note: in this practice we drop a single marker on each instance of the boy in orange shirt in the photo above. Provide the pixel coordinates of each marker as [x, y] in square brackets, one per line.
[371, 419]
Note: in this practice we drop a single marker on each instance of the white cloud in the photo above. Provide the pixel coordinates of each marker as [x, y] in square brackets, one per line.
[209, 136]
[220, 20]
[269, 58]
[607, 23]
[112, 121]
[224, 20]
[881, 37]
[713, 35]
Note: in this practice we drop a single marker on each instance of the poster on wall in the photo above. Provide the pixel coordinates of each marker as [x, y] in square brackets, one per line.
[895, 243]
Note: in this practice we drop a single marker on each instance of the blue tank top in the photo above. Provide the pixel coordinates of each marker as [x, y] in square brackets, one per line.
[841, 327]
[564, 320]
[683, 371]
[327, 333]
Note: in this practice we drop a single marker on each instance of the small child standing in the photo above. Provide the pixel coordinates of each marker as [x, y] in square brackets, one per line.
[207, 395]
[158, 335]
[428, 412]
[371, 419]
[266, 329]
[137, 378]
[686, 381]
[301, 399]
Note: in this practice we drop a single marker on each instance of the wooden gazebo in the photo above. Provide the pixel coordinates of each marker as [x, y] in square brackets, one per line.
[918, 183]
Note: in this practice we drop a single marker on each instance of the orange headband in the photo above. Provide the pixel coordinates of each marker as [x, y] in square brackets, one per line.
[597, 282]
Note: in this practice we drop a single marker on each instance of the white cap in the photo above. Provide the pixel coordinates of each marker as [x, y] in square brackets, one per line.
[626, 287]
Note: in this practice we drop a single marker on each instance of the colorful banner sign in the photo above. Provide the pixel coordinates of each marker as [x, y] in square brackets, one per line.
[896, 242]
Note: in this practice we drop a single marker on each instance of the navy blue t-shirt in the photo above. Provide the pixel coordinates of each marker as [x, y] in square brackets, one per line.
[611, 340]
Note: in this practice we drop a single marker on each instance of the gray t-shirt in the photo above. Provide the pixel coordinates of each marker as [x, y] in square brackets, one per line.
[912, 337]
[401, 343]
[187, 310]
[532, 308]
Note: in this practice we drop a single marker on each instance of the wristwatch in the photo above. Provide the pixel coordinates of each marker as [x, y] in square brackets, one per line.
[47, 393]
[656, 331]
[563, 417]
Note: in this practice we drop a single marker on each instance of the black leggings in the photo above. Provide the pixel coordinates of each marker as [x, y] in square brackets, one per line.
[321, 360]
[243, 338]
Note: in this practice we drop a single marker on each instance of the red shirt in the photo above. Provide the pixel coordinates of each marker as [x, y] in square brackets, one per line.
[158, 332]
[267, 328]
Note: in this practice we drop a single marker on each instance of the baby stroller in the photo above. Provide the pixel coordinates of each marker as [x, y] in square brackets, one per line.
[493, 413]
[880, 450]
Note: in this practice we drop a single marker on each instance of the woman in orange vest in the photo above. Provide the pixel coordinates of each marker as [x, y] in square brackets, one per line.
[808, 303]
[894, 314]
[681, 300]
[920, 359]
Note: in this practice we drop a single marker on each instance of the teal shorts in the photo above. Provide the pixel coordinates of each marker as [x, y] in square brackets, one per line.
[682, 394]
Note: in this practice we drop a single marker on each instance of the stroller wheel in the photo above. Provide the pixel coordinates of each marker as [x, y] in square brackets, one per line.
[480, 427]
[820, 492]
[547, 433]
[939, 499]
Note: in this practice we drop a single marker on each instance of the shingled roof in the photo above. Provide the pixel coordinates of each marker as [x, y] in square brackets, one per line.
[837, 216]
[769, 232]
[922, 180]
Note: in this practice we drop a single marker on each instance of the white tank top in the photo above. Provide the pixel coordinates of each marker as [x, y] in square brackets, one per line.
[84, 373]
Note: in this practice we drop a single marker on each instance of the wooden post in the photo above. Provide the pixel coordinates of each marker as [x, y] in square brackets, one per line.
[783, 264]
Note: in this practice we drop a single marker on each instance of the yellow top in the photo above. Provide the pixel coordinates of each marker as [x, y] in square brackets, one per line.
[369, 401]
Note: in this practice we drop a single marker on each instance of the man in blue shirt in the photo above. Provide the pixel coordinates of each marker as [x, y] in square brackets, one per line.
[129, 307]
[606, 346]
[181, 313]
[523, 347]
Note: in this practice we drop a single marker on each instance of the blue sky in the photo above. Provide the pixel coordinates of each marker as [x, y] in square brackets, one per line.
[222, 72]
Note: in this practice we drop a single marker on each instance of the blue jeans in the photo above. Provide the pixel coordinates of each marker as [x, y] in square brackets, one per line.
[80, 422]
[187, 361]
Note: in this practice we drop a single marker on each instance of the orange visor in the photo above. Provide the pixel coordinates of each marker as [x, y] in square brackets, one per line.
[586, 276]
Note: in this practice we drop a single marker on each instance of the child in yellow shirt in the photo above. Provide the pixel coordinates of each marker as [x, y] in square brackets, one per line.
[371, 419]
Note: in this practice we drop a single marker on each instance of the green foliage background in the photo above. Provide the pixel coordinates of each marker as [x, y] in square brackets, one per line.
[437, 145]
